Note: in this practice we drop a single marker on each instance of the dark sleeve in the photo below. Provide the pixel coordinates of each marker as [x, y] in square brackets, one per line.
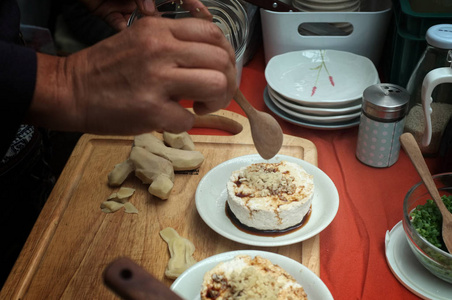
[18, 67]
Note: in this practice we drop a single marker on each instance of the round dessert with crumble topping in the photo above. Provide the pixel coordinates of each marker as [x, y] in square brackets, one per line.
[270, 196]
[245, 277]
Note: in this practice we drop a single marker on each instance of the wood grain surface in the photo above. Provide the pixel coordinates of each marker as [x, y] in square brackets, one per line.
[73, 240]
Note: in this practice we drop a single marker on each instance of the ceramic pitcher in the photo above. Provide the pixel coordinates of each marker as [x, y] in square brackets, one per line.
[431, 81]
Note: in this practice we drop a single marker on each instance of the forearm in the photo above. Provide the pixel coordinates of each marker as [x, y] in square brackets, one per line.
[47, 89]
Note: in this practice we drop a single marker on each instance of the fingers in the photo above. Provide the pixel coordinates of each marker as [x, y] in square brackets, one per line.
[146, 7]
[172, 117]
[202, 55]
[190, 43]
[197, 9]
[202, 64]
[202, 85]
[189, 29]
[204, 74]
[117, 20]
[202, 32]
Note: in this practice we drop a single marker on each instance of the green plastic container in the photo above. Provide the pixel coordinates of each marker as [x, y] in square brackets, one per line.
[406, 40]
[406, 50]
[416, 23]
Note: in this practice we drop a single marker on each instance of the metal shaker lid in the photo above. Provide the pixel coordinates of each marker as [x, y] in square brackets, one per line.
[385, 101]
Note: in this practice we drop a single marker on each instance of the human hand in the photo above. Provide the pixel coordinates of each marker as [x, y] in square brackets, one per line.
[131, 82]
[117, 12]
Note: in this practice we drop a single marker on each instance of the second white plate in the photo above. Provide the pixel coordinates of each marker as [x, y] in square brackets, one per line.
[211, 196]
[316, 111]
[316, 119]
[291, 119]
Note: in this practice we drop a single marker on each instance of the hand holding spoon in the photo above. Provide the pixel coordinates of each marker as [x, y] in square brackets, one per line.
[265, 130]
[411, 147]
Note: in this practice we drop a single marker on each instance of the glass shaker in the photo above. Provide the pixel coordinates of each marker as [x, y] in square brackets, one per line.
[382, 121]
[436, 55]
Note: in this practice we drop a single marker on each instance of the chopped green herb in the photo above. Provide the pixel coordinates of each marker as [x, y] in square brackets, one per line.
[427, 220]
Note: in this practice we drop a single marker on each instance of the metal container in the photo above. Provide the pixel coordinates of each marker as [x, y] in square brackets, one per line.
[383, 114]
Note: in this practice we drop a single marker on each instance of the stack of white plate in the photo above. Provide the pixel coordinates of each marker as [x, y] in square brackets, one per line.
[318, 88]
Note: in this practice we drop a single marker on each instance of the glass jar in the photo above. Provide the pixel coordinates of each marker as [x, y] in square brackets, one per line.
[436, 55]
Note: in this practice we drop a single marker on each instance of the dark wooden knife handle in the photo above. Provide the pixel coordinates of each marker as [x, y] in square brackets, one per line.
[131, 282]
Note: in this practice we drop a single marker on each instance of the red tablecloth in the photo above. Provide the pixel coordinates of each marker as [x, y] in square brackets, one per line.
[352, 247]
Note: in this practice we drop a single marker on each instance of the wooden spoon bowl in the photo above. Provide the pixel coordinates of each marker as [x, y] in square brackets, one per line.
[265, 130]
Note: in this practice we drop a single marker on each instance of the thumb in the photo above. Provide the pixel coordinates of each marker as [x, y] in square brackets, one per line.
[146, 7]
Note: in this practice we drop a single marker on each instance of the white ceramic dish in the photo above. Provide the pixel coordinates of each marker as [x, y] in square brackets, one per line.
[409, 271]
[280, 113]
[211, 196]
[316, 119]
[318, 111]
[188, 284]
[321, 78]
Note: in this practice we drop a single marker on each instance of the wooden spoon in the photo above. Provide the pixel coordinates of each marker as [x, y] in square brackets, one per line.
[265, 130]
[411, 147]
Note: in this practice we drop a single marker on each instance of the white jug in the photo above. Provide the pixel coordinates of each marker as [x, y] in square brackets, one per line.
[431, 81]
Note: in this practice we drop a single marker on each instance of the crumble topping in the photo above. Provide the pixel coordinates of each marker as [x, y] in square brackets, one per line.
[265, 179]
[253, 278]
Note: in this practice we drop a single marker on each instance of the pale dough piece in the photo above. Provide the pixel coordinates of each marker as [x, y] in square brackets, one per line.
[130, 208]
[118, 200]
[181, 252]
[122, 195]
[110, 206]
[120, 173]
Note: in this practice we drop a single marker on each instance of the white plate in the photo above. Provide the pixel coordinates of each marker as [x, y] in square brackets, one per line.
[188, 284]
[295, 74]
[211, 196]
[409, 271]
[318, 111]
[296, 121]
[316, 119]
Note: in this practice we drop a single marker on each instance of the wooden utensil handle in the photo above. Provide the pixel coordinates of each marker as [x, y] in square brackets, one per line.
[411, 147]
[131, 282]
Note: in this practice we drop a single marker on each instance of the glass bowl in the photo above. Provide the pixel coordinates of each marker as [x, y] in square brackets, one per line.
[228, 15]
[434, 259]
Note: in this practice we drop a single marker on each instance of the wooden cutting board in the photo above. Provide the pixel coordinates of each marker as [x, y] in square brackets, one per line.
[73, 240]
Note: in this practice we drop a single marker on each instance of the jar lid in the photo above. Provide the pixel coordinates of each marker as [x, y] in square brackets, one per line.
[385, 101]
[440, 36]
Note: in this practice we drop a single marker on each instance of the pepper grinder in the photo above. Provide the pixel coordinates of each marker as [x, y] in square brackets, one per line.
[384, 108]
